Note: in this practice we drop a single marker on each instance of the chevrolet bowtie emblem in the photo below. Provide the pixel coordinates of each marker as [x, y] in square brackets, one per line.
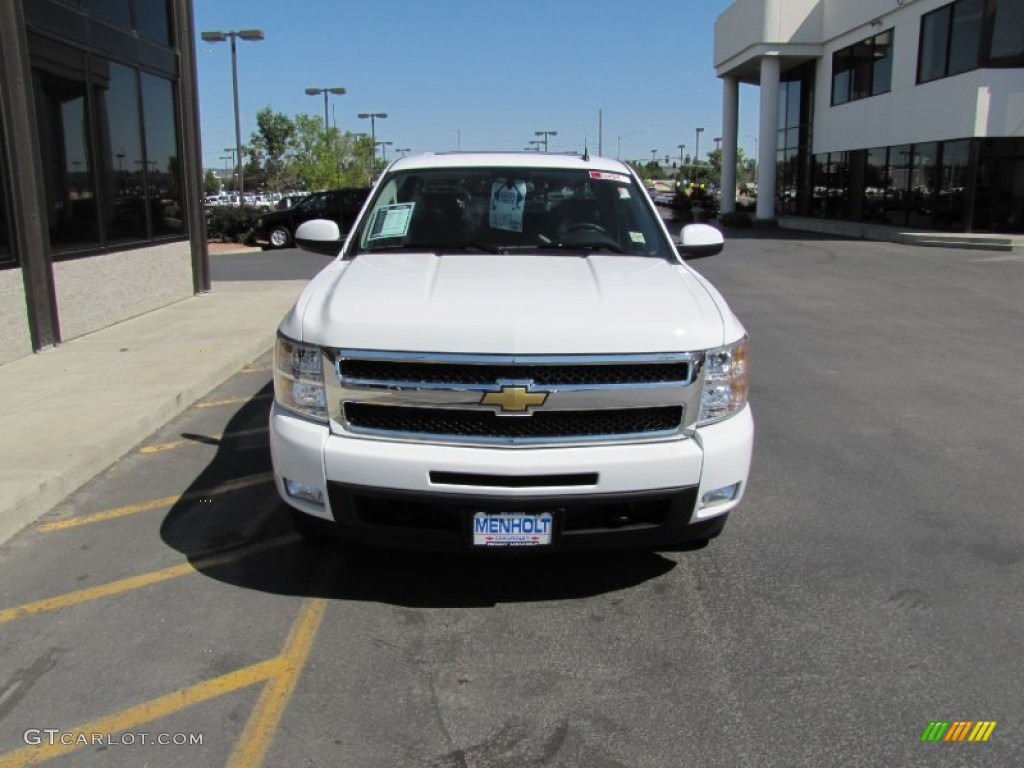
[514, 399]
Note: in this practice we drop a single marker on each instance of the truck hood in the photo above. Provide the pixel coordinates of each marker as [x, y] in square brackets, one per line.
[511, 304]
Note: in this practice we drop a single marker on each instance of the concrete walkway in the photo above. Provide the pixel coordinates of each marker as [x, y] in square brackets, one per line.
[71, 411]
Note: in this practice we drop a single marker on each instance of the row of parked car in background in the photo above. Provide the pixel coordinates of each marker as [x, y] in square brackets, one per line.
[274, 218]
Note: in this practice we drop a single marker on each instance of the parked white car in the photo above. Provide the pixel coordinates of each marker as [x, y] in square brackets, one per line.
[509, 350]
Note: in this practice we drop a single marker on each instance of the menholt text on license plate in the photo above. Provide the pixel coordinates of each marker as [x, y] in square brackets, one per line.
[511, 529]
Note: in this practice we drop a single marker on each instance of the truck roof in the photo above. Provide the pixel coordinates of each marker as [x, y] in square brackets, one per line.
[511, 159]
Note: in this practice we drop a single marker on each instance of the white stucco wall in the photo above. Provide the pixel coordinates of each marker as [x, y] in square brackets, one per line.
[748, 23]
[98, 291]
[15, 339]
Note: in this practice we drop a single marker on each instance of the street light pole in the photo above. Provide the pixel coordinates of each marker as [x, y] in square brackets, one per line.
[681, 148]
[696, 152]
[373, 128]
[337, 91]
[384, 149]
[618, 143]
[252, 35]
[403, 151]
[544, 137]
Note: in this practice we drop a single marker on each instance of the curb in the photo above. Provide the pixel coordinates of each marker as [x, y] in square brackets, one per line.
[51, 488]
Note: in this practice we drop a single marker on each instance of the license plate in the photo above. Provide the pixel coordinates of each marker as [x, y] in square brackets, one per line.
[512, 529]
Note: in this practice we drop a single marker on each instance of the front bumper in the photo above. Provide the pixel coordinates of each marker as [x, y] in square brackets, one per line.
[415, 495]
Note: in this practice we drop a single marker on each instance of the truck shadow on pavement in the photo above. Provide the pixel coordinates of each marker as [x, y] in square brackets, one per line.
[242, 535]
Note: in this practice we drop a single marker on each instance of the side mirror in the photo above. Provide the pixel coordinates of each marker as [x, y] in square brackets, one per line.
[699, 240]
[319, 236]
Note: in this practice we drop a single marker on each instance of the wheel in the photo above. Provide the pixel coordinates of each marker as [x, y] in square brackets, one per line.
[280, 237]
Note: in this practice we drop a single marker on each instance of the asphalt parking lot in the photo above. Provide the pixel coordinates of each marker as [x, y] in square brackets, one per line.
[869, 586]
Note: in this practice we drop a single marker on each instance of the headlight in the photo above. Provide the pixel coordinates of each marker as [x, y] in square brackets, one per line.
[726, 382]
[299, 378]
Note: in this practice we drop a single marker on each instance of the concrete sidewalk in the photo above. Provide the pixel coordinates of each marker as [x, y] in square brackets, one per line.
[69, 412]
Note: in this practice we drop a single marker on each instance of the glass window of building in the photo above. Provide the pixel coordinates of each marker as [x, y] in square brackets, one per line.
[116, 12]
[897, 198]
[876, 183]
[881, 57]
[922, 185]
[950, 209]
[842, 75]
[965, 36]
[863, 69]
[951, 39]
[62, 115]
[163, 166]
[1008, 33]
[931, 53]
[116, 99]
[152, 20]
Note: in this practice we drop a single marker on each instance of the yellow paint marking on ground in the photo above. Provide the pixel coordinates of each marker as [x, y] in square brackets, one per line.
[148, 711]
[166, 501]
[262, 369]
[159, 447]
[232, 400]
[252, 745]
[80, 596]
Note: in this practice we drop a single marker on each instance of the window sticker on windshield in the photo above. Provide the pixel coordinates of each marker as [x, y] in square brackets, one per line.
[508, 200]
[637, 237]
[609, 176]
[624, 193]
[391, 221]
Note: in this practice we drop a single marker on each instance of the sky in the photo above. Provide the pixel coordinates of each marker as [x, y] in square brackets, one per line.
[476, 74]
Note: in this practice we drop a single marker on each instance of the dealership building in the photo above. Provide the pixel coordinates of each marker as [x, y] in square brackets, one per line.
[100, 171]
[902, 113]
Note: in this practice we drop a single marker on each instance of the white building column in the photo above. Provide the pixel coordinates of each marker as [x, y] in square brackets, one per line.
[767, 137]
[730, 128]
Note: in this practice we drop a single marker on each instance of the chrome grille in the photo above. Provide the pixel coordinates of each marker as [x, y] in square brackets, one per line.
[542, 375]
[555, 425]
[462, 398]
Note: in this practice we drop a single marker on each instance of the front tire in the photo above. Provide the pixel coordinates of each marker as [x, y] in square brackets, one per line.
[280, 237]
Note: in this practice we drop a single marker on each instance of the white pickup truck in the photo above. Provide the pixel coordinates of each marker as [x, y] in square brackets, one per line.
[509, 351]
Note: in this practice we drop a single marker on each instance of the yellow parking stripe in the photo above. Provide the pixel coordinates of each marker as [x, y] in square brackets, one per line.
[147, 712]
[281, 673]
[135, 582]
[160, 447]
[252, 745]
[262, 369]
[166, 501]
[232, 400]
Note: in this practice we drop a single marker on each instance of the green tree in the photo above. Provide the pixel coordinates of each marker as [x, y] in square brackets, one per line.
[210, 182]
[268, 148]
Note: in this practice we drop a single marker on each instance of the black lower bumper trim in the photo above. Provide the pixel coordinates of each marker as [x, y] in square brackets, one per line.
[441, 521]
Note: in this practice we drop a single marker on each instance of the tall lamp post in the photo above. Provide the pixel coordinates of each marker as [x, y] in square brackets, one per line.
[544, 137]
[402, 151]
[618, 143]
[373, 128]
[696, 152]
[337, 91]
[384, 149]
[252, 35]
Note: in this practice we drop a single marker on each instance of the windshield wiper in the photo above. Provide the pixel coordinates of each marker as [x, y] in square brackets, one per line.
[585, 247]
[435, 248]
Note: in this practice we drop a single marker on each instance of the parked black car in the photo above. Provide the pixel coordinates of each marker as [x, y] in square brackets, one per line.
[339, 205]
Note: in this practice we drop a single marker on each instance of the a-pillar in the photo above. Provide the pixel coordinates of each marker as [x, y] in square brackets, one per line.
[730, 128]
[767, 138]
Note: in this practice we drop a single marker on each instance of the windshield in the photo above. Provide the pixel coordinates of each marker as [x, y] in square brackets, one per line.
[509, 209]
